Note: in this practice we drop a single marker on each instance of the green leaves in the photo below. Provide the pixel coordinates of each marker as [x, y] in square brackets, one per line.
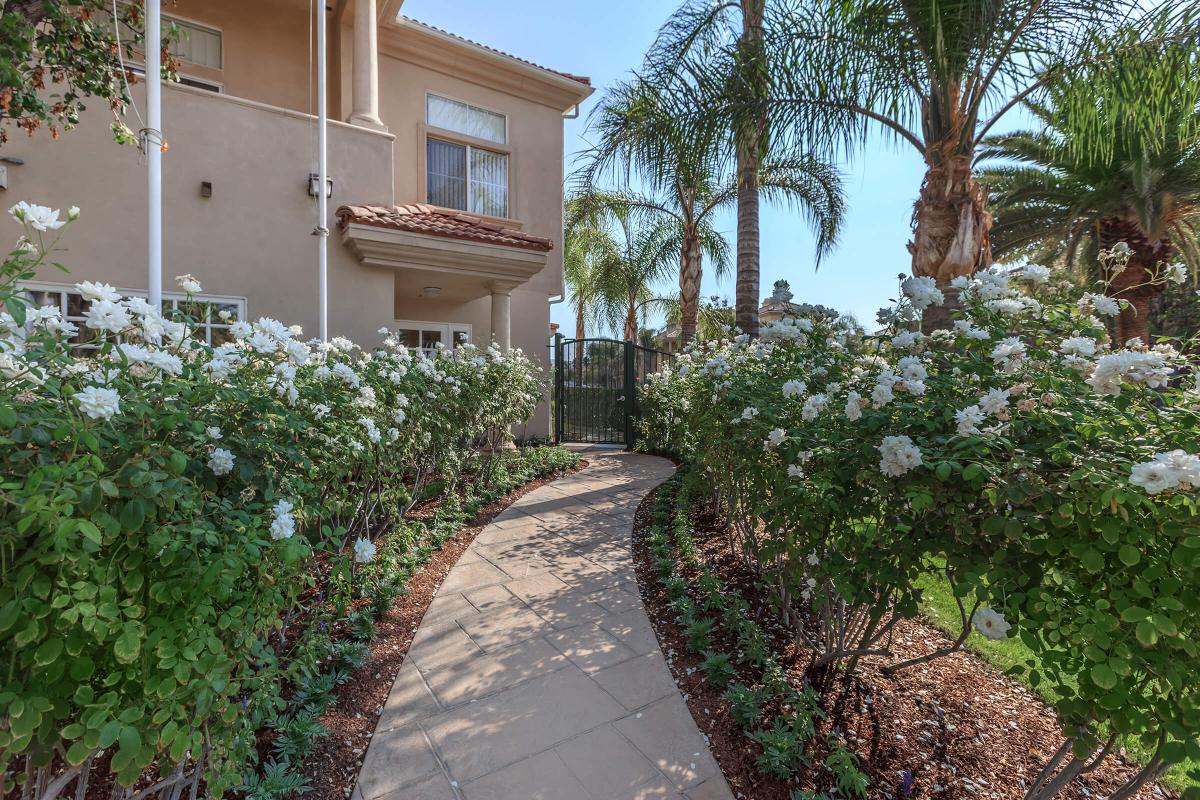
[1129, 555]
[128, 645]
[1103, 676]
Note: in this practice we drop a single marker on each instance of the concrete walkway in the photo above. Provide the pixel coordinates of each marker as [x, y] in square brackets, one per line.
[535, 674]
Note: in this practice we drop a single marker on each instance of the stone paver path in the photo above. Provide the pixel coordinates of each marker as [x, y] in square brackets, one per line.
[535, 674]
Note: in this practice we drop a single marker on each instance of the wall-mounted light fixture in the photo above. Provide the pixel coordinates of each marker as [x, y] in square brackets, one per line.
[431, 291]
[314, 180]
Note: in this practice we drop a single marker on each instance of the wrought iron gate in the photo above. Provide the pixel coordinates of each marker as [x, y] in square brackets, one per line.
[596, 388]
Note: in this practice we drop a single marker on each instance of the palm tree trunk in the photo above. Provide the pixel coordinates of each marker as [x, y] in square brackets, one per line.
[631, 321]
[1134, 282]
[1134, 320]
[689, 287]
[749, 137]
[580, 331]
[951, 231]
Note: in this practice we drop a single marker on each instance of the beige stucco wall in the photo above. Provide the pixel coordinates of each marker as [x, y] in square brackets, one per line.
[535, 147]
[251, 239]
[265, 44]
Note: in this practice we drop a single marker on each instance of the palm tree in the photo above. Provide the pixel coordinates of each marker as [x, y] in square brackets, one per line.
[1087, 181]
[627, 282]
[718, 50]
[634, 249]
[715, 320]
[626, 217]
[586, 243]
[639, 135]
[935, 74]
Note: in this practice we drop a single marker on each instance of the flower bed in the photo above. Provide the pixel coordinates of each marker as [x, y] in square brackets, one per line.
[174, 514]
[1046, 475]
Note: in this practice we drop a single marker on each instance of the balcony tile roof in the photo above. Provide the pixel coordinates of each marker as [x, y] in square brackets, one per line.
[434, 221]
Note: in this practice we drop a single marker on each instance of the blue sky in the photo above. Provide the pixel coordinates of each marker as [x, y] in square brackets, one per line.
[604, 40]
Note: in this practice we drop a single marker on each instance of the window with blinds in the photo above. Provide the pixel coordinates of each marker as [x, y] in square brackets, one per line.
[197, 44]
[466, 178]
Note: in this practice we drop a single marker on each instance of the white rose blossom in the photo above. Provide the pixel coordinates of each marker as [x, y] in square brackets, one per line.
[969, 420]
[991, 624]
[98, 403]
[40, 218]
[220, 461]
[898, 455]
[364, 551]
[1174, 470]
[794, 388]
[922, 292]
[283, 524]
[188, 283]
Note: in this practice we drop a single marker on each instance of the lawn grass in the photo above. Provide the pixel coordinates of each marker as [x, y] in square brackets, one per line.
[941, 611]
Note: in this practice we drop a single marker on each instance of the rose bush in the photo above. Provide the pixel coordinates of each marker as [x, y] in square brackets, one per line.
[165, 504]
[1046, 473]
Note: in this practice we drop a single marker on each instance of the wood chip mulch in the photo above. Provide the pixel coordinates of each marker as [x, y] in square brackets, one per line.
[331, 767]
[948, 729]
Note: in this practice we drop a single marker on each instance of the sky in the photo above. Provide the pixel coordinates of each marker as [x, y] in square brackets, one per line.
[605, 40]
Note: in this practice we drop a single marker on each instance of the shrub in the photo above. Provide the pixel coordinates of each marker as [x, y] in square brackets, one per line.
[170, 510]
[1019, 455]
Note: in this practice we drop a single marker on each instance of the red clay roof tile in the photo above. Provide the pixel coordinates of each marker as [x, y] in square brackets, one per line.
[434, 221]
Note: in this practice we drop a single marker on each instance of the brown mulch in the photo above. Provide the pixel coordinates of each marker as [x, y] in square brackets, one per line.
[950, 728]
[331, 767]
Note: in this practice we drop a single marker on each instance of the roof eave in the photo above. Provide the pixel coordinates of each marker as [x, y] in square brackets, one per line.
[568, 91]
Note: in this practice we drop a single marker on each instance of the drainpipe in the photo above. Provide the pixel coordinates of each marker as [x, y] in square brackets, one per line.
[152, 139]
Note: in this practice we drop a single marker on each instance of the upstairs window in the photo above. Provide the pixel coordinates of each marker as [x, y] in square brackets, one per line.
[478, 123]
[197, 44]
[464, 176]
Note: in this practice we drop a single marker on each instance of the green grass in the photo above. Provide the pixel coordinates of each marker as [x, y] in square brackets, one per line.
[942, 612]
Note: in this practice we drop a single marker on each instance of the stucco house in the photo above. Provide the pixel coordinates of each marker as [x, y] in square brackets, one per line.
[445, 159]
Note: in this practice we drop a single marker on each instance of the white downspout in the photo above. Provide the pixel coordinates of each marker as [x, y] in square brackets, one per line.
[153, 139]
[322, 232]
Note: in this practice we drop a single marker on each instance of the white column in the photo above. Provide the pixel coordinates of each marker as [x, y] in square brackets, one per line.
[502, 313]
[366, 65]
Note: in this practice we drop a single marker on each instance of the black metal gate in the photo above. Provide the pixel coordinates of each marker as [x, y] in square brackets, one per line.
[596, 388]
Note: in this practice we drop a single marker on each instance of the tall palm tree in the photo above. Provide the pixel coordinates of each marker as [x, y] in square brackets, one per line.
[709, 50]
[934, 74]
[1098, 173]
[640, 136]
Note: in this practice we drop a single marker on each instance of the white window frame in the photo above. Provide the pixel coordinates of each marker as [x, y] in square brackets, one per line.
[216, 87]
[468, 147]
[185, 22]
[446, 329]
[170, 302]
[466, 103]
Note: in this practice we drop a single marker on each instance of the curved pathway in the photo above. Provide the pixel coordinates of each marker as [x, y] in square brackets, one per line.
[535, 674]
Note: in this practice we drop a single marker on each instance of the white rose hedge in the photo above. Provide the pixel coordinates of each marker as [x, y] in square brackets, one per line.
[163, 504]
[1051, 478]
